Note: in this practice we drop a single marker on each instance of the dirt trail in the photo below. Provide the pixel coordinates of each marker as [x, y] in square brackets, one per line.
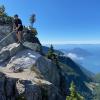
[25, 75]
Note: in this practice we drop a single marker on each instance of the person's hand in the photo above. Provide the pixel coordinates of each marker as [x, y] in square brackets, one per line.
[15, 29]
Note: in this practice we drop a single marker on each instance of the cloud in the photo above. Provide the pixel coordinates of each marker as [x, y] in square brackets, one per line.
[75, 56]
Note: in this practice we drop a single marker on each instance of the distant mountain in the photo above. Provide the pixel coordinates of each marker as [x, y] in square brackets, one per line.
[80, 52]
[88, 58]
[73, 72]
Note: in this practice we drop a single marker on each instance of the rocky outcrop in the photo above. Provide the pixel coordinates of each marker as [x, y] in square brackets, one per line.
[33, 46]
[9, 51]
[29, 75]
[5, 30]
[8, 39]
[28, 59]
[36, 89]
[25, 59]
[38, 80]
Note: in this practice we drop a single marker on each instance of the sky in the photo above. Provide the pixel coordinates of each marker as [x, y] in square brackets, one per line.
[60, 21]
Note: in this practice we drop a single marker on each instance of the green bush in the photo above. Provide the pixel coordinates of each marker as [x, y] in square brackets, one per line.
[4, 18]
[32, 19]
[73, 93]
[52, 55]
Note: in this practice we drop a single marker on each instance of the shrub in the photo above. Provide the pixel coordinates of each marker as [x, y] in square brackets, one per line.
[73, 93]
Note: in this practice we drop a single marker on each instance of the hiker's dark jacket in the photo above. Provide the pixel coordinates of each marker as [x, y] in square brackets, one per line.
[18, 22]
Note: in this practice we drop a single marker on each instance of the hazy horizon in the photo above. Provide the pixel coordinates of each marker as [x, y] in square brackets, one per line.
[72, 43]
[90, 62]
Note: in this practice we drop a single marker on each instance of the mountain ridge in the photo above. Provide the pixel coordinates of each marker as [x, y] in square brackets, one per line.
[28, 74]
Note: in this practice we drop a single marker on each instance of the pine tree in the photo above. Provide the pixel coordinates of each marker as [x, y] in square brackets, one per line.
[50, 53]
[73, 94]
[32, 19]
[2, 9]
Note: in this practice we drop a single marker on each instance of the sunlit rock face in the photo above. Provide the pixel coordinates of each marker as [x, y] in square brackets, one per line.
[25, 74]
[39, 80]
[4, 30]
[6, 37]
[33, 88]
[9, 51]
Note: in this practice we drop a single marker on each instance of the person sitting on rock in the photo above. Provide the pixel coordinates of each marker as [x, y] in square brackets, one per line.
[18, 27]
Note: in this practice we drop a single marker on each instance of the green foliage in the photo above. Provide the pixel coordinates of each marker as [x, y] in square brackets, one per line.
[32, 19]
[32, 30]
[2, 9]
[97, 77]
[51, 55]
[4, 18]
[96, 93]
[73, 94]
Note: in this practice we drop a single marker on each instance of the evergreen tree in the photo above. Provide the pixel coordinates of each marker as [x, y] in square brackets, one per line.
[4, 18]
[73, 94]
[32, 19]
[2, 9]
[50, 53]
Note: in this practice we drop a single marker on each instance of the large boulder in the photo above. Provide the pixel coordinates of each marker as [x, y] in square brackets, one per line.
[4, 55]
[5, 30]
[32, 46]
[9, 51]
[34, 89]
[9, 39]
[7, 36]
[27, 59]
